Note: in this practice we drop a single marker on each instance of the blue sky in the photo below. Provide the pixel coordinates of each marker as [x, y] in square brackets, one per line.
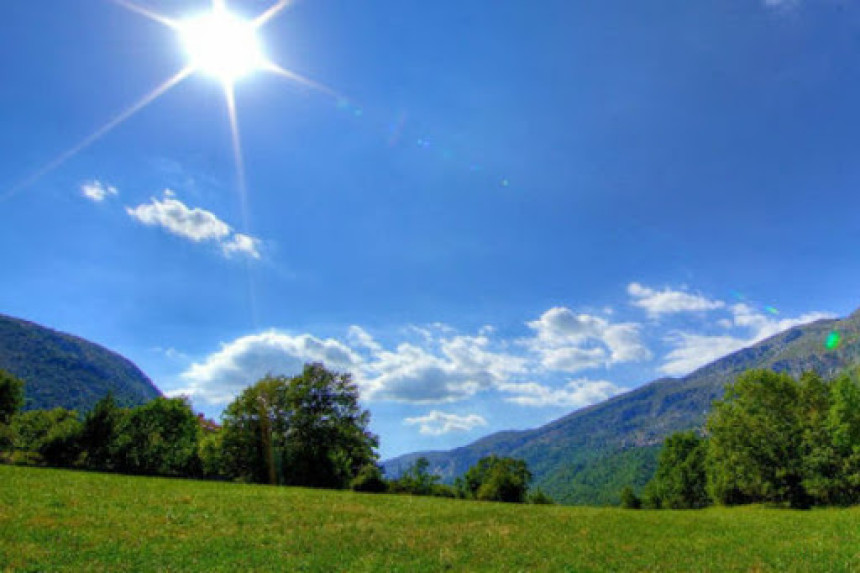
[501, 212]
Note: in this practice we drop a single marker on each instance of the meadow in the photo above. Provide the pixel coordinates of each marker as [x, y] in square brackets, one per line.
[66, 520]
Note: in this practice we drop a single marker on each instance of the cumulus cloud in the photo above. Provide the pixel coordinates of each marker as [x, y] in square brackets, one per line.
[763, 326]
[571, 342]
[241, 244]
[195, 224]
[695, 350]
[437, 423]
[668, 301]
[576, 393]
[692, 351]
[223, 374]
[97, 191]
[452, 368]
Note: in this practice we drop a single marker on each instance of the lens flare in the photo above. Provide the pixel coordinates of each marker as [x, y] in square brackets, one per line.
[834, 339]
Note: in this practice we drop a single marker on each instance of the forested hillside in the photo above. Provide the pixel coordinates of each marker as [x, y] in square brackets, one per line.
[61, 370]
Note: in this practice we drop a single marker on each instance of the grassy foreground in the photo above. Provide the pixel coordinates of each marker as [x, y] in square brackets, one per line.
[63, 520]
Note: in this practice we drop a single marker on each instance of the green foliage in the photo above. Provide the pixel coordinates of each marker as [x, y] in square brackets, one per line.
[629, 499]
[496, 478]
[52, 434]
[538, 497]
[11, 396]
[307, 430]
[158, 438]
[416, 480]
[369, 480]
[832, 446]
[681, 478]
[99, 432]
[777, 440]
[60, 370]
[210, 450]
[755, 439]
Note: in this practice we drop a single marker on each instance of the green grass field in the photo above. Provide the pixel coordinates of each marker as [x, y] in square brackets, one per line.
[63, 520]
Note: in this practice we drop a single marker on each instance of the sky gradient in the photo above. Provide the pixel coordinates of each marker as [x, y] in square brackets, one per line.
[501, 212]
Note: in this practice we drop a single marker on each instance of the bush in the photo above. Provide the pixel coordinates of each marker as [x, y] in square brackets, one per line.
[540, 498]
[369, 480]
[629, 499]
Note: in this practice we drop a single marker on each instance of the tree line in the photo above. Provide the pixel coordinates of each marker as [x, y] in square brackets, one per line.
[307, 430]
[771, 439]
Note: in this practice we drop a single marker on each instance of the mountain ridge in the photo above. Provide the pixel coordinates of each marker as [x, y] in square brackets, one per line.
[619, 438]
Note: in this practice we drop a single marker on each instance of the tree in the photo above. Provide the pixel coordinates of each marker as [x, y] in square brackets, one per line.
[629, 499]
[11, 396]
[417, 479]
[99, 433]
[52, 434]
[756, 432]
[538, 497]
[681, 479]
[158, 438]
[832, 446]
[369, 480]
[308, 430]
[495, 478]
[210, 450]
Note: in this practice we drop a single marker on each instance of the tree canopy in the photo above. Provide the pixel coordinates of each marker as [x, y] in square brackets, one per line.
[306, 430]
[11, 396]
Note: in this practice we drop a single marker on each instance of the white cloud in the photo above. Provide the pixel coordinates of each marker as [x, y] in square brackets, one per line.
[692, 351]
[460, 367]
[98, 191]
[763, 326]
[361, 338]
[222, 375]
[194, 224]
[242, 244]
[668, 301]
[571, 342]
[437, 423]
[576, 393]
[695, 350]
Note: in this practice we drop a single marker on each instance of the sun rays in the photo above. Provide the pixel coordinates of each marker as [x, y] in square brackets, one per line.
[219, 44]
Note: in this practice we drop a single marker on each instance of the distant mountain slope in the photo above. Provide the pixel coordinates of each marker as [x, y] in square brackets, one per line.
[63, 370]
[586, 457]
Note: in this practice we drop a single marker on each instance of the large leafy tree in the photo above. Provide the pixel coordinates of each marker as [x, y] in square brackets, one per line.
[681, 479]
[11, 396]
[307, 430]
[158, 438]
[756, 434]
[99, 432]
[832, 446]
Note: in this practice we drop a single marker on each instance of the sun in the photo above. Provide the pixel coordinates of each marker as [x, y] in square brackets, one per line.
[222, 45]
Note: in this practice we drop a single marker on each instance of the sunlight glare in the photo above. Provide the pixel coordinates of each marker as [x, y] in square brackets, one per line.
[222, 45]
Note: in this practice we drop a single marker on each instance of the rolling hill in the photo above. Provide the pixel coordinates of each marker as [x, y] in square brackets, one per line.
[61, 370]
[587, 456]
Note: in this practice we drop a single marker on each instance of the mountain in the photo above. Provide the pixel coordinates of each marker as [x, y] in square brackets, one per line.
[587, 456]
[61, 370]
